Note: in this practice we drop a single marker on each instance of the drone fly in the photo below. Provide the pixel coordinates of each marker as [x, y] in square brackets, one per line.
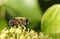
[18, 21]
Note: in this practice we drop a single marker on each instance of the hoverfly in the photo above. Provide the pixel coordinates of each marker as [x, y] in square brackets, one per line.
[18, 21]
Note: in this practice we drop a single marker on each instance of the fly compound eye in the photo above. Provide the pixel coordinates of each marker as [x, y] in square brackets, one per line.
[27, 21]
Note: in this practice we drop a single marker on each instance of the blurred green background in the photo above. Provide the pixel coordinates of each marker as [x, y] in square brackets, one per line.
[31, 9]
[45, 4]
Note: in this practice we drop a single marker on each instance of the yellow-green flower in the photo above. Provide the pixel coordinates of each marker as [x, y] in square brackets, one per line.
[19, 33]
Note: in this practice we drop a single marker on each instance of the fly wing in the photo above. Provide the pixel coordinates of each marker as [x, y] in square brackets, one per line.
[11, 22]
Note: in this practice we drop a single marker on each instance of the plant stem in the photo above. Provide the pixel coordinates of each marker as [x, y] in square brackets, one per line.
[2, 11]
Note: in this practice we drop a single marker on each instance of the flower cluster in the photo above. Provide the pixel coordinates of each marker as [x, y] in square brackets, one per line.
[19, 33]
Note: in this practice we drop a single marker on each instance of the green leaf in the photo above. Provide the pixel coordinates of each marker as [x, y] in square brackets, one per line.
[3, 24]
[51, 21]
